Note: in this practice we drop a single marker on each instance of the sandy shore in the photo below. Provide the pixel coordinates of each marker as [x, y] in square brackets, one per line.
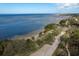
[29, 35]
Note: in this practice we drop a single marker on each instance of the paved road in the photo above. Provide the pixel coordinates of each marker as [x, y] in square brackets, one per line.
[48, 50]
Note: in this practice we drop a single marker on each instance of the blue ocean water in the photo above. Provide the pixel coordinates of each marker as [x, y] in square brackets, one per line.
[19, 24]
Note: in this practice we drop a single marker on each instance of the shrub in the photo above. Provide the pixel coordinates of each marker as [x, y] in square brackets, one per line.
[50, 27]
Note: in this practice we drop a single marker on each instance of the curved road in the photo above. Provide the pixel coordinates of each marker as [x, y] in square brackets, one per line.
[48, 50]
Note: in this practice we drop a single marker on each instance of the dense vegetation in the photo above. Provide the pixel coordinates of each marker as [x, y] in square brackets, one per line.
[69, 45]
[70, 41]
[48, 39]
[50, 27]
[17, 47]
[74, 43]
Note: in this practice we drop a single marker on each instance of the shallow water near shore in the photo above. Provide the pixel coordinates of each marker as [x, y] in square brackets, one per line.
[12, 25]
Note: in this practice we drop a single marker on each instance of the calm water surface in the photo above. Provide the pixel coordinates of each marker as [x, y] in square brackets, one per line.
[12, 25]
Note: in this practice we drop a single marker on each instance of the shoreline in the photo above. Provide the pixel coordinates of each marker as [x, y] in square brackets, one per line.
[27, 36]
[32, 33]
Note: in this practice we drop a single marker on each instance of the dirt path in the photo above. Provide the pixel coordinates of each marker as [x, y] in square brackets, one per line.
[48, 50]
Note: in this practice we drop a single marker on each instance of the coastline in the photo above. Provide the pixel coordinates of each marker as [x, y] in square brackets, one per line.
[27, 36]
[33, 33]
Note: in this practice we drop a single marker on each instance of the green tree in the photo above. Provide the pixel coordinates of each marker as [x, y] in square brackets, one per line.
[74, 43]
[50, 27]
[65, 43]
